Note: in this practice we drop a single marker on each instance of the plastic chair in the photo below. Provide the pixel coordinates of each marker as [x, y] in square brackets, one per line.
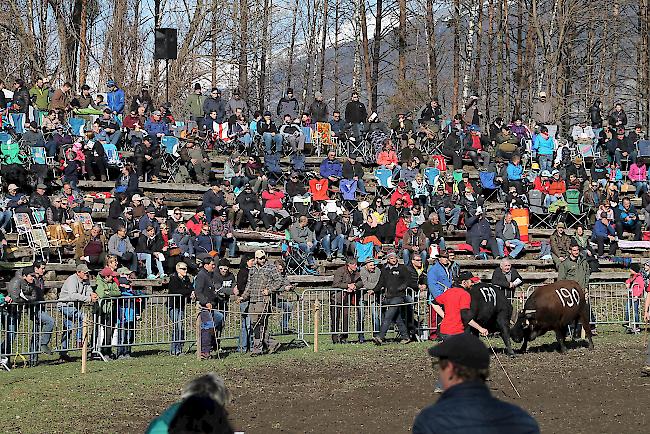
[575, 209]
[490, 188]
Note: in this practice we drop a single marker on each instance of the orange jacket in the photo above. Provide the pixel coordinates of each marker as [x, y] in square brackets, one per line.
[386, 157]
[557, 187]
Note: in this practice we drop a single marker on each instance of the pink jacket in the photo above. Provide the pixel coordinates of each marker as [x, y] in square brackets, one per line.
[638, 172]
[636, 284]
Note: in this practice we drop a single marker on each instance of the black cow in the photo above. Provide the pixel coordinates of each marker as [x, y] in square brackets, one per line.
[552, 307]
[491, 309]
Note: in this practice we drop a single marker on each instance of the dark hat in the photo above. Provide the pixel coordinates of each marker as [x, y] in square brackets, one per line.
[27, 270]
[235, 92]
[200, 209]
[33, 125]
[268, 113]
[289, 90]
[467, 275]
[223, 262]
[85, 87]
[197, 86]
[215, 182]
[223, 213]
[464, 349]
[151, 209]
[207, 260]
[443, 254]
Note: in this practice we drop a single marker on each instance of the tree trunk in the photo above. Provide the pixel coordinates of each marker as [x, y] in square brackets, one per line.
[83, 43]
[432, 62]
[489, 61]
[456, 76]
[243, 49]
[337, 80]
[214, 30]
[263, 56]
[500, 65]
[469, 50]
[323, 46]
[376, 53]
[365, 49]
[292, 44]
[476, 81]
[401, 45]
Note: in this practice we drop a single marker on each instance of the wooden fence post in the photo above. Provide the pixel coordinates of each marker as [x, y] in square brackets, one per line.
[198, 334]
[84, 345]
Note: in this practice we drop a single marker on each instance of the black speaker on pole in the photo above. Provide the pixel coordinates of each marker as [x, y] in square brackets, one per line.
[166, 44]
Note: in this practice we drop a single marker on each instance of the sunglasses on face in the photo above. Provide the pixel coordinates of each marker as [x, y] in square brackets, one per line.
[183, 268]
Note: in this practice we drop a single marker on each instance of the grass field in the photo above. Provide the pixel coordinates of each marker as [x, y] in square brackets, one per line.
[351, 388]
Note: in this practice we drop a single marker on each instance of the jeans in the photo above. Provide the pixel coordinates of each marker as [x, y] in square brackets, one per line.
[270, 140]
[393, 314]
[516, 246]
[361, 186]
[330, 246]
[454, 216]
[230, 242]
[115, 137]
[211, 325]
[632, 302]
[72, 318]
[545, 162]
[287, 309]
[309, 251]
[406, 254]
[245, 337]
[246, 139]
[5, 219]
[50, 148]
[147, 262]
[44, 321]
[11, 321]
[178, 333]
[641, 187]
[375, 313]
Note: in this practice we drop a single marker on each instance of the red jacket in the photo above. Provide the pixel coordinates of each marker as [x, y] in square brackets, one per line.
[386, 157]
[400, 230]
[543, 187]
[406, 198]
[273, 200]
[557, 187]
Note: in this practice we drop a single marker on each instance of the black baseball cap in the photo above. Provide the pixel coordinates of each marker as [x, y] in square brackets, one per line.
[464, 349]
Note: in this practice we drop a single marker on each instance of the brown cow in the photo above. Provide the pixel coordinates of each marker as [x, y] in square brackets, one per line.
[552, 307]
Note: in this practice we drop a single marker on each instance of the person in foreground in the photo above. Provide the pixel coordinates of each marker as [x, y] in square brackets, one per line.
[200, 410]
[466, 405]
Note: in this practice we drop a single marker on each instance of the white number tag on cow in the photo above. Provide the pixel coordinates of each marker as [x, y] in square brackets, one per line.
[489, 295]
[568, 298]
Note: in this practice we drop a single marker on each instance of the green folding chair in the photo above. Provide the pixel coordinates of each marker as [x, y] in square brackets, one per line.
[11, 153]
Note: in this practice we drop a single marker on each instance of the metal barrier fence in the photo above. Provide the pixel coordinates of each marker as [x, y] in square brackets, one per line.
[611, 303]
[149, 320]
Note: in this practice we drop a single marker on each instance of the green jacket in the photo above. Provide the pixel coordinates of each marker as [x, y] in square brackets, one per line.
[575, 270]
[40, 97]
[194, 104]
[105, 290]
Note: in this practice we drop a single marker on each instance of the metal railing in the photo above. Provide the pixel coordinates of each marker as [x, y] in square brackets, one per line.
[117, 324]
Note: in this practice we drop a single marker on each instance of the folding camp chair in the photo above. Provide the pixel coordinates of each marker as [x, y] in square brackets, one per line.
[575, 209]
[295, 259]
[432, 176]
[348, 190]
[385, 184]
[17, 121]
[24, 226]
[77, 126]
[301, 205]
[171, 159]
[489, 186]
[11, 153]
[41, 246]
[273, 168]
[39, 156]
[319, 189]
[538, 211]
[112, 156]
[643, 149]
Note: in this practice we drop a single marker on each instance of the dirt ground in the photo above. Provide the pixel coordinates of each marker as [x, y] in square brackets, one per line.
[582, 391]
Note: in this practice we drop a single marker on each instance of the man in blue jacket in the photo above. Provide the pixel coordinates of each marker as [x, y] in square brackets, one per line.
[627, 219]
[466, 405]
[604, 232]
[156, 127]
[331, 168]
[479, 234]
[114, 98]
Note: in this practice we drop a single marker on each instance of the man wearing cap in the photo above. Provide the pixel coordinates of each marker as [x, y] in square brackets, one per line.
[213, 200]
[560, 244]
[414, 243]
[194, 105]
[216, 104]
[467, 405]
[195, 159]
[222, 231]
[206, 296]
[447, 212]
[411, 152]
[273, 206]
[318, 109]
[156, 127]
[475, 146]
[235, 103]
[149, 219]
[479, 234]
[401, 193]
[75, 291]
[352, 169]
[264, 279]
[288, 104]
[106, 288]
[39, 199]
[346, 278]
[115, 97]
[543, 182]
[393, 282]
[270, 134]
[224, 284]
[543, 113]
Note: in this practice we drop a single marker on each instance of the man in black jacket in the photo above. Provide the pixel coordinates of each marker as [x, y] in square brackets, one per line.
[451, 149]
[148, 159]
[507, 278]
[479, 234]
[353, 170]
[355, 115]
[448, 213]
[250, 207]
[213, 201]
[206, 296]
[466, 404]
[393, 281]
[318, 109]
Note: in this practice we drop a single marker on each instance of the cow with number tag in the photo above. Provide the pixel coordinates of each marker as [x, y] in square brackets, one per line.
[492, 310]
[552, 307]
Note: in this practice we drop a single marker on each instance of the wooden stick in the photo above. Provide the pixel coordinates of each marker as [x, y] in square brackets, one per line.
[316, 321]
[84, 345]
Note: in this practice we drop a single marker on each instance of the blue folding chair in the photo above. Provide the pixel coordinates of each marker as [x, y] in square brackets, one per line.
[384, 179]
[17, 121]
[77, 126]
[171, 157]
[431, 174]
